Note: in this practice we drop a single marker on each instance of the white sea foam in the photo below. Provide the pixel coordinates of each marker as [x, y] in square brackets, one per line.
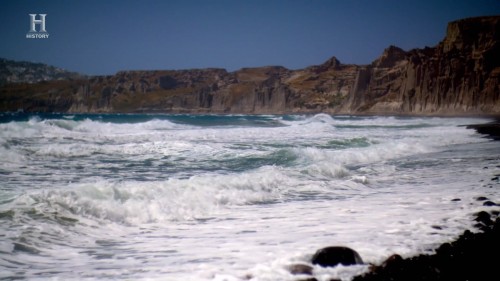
[134, 203]
[158, 200]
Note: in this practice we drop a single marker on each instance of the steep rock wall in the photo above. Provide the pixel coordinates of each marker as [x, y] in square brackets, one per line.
[459, 76]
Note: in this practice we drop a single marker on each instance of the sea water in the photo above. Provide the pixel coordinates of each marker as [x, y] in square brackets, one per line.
[238, 197]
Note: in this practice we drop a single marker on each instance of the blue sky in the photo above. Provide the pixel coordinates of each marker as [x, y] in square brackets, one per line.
[103, 37]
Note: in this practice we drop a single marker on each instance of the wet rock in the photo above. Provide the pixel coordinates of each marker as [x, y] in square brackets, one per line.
[20, 247]
[467, 258]
[481, 198]
[456, 200]
[300, 269]
[333, 256]
[496, 226]
[492, 130]
[444, 249]
[484, 217]
[490, 203]
[393, 261]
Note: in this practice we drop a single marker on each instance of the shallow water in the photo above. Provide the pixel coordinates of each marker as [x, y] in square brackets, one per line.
[206, 197]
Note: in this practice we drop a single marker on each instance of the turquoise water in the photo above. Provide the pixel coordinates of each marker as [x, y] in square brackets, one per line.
[212, 197]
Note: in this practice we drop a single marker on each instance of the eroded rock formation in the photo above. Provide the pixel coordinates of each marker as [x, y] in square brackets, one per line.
[459, 76]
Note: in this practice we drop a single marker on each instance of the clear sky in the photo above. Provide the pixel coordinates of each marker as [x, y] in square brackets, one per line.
[103, 37]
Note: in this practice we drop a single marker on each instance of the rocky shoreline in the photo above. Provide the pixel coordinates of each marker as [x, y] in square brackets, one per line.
[492, 130]
[472, 256]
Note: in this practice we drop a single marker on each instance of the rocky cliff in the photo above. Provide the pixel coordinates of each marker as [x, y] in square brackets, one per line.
[28, 72]
[459, 76]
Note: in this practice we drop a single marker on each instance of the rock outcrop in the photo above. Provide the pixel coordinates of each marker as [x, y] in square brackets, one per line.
[28, 72]
[470, 257]
[335, 255]
[492, 130]
[459, 76]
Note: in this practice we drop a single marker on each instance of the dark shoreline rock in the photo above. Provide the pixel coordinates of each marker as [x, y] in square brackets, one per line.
[326, 257]
[473, 256]
[492, 130]
[335, 255]
[300, 268]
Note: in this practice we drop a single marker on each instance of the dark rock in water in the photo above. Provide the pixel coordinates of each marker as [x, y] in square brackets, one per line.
[494, 179]
[492, 130]
[456, 200]
[300, 269]
[484, 218]
[481, 198]
[20, 247]
[394, 264]
[333, 256]
[444, 249]
[481, 226]
[489, 203]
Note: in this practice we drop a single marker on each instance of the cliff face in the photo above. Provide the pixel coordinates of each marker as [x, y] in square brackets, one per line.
[458, 76]
[270, 89]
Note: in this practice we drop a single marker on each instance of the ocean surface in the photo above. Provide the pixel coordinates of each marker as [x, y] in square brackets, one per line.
[207, 197]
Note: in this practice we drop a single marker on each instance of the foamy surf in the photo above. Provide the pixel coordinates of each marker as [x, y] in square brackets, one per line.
[185, 197]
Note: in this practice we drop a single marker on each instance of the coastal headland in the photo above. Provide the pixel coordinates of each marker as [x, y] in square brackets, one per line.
[458, 77]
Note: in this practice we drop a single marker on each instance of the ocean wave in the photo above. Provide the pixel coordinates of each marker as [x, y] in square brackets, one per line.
[242, 197]
[134, 202]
